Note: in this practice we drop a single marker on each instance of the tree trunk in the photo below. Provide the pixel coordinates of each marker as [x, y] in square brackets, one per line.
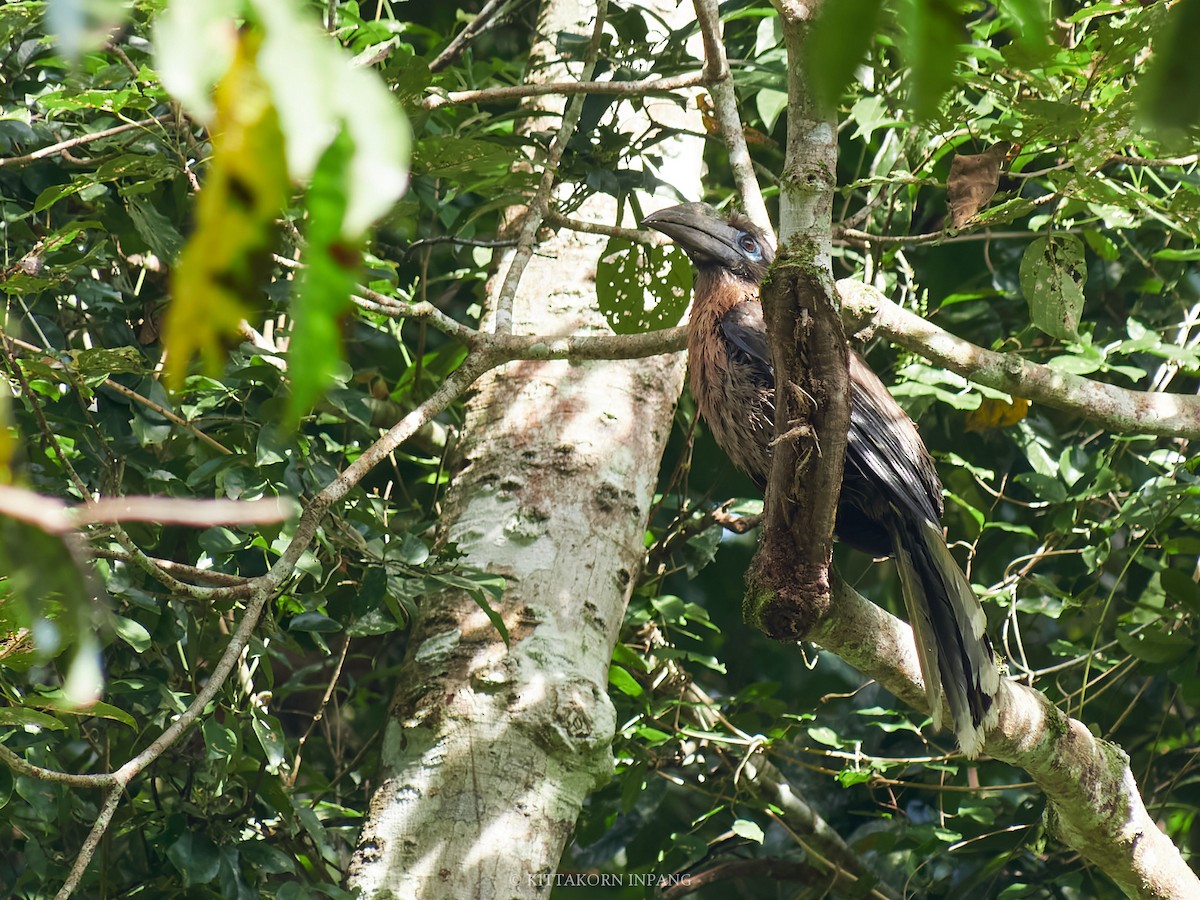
[492, 749]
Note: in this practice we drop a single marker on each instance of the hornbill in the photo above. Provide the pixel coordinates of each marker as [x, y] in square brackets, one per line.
[891, 501]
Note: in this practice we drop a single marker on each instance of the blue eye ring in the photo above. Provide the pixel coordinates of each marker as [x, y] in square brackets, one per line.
[748, 245]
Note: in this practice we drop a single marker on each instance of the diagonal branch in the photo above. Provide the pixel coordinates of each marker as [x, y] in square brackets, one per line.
[508, 92]
[1093, 796]
[725, 107]
[1116, 409]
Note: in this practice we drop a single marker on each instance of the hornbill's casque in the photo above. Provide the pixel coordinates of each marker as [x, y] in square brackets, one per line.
[891, 502]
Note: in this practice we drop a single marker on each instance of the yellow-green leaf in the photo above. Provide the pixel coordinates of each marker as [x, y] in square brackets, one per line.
[222, 268]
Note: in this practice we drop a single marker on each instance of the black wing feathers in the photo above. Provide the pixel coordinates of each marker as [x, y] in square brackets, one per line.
[746, 337]
[879, 462]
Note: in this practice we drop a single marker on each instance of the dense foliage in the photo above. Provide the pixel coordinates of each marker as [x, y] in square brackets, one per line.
[1084, 544]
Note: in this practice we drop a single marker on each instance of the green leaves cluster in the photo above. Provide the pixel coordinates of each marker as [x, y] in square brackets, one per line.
[282, 102]
[1081, 543]
[103, 183]
[1084, 544]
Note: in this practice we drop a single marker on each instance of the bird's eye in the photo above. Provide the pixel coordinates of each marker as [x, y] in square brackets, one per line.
[749, 246]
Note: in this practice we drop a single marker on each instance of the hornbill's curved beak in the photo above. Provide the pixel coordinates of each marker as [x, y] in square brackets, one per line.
[701, 232]
[729, 243]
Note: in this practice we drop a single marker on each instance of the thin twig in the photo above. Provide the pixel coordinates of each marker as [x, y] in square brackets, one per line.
[81, 140]
[91, 842]
[1170, 162]
[725, 108]
[195, 573]
[124, 392]
[317, 716]
[567, 89]
[637, 235]
[55, 517]
[464, 37]
[538, 205]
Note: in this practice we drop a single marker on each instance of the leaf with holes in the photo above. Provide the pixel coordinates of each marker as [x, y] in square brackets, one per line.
[642, 288]
[1052, 276]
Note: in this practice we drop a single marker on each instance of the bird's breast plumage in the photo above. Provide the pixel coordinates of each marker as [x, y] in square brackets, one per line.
[732, 398]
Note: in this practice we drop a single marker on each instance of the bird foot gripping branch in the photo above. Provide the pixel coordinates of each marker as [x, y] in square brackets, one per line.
[891, 500]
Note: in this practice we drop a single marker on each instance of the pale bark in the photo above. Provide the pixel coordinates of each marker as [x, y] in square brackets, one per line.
[1114, 408]
[1094, 803]
[492, 749]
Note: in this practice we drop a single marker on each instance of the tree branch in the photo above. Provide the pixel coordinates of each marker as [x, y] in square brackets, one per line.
[1094, 798]
[725, 107]
[538, 205]
[82, 139]
[567, 89]
[787, 586]
[1116, 409]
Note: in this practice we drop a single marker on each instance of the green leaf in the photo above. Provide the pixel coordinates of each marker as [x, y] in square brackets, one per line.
[933, 38]
[642, 288]
[314, 621]
[1032, 26]
[653, 737]
[160, 235]
[1192, 254]
[1180, 588]
[60, 702]
[1102, 245]
[851, 777]
[749, 830]
[131, 632]
[1043, 487]
[56, 192]
[1074, 365]
[826, 736]
[478, 585]
[220, 742]
[28, 718]
[100, 362]
[270, 736]
[770, 105]
[1011, 527]
[332, 269]
[1154, 644]
[838, 44]
[624, 682]
[1052, 276]
[196, 857]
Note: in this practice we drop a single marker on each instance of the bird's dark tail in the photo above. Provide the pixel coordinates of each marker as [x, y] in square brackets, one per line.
[949, 626]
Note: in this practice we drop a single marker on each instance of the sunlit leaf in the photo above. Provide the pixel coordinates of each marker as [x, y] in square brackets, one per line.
[642, 288]
[749, 830]
[270, 736]
[317, 94]
[222, 269]
[624, 682]
[1052, 278]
